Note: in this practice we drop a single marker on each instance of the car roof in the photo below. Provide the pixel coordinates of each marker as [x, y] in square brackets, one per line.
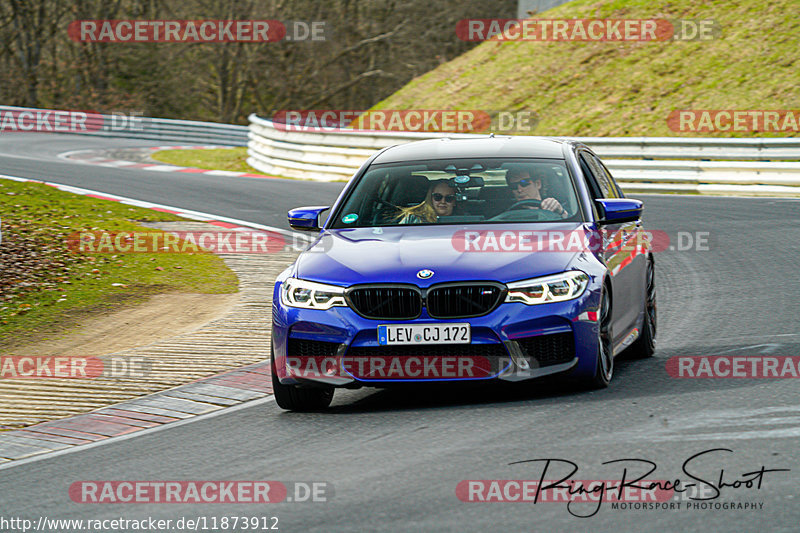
[501, 146]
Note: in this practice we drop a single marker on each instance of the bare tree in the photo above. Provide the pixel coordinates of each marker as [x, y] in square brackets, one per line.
[371, 49]
[29, 25]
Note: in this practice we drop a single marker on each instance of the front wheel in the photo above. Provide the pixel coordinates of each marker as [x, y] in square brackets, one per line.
[605, 354]
[294, 398]
[645, 345]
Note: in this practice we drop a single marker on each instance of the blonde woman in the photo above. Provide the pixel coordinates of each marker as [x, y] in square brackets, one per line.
[439, 202]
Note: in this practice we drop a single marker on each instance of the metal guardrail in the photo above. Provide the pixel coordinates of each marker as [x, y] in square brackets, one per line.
[752, 166]
[130, 127]
[640, 164]
[703, 148]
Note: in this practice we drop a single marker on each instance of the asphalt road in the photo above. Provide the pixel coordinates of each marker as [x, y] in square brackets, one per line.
[394, 457]
[264, 201]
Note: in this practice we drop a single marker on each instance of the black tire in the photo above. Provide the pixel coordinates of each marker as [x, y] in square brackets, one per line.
[605, 356]
[294, 398]
[645, 345]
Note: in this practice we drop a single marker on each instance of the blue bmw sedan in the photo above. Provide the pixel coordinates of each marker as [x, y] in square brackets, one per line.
[499, 258]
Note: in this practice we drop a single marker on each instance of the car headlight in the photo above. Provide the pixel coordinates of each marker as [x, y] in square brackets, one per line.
[310, 295]
[555, 288]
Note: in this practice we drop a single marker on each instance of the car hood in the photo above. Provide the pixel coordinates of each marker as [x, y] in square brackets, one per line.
[396, 254]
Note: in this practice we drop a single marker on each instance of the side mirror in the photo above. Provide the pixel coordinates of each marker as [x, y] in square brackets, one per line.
[614, 210]
[306, 218]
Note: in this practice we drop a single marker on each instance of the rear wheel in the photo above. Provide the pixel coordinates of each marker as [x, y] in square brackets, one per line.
[605, 355]
[294, 398]
[645, 345]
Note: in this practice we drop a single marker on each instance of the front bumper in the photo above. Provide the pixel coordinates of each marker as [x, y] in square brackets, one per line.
[509, 344]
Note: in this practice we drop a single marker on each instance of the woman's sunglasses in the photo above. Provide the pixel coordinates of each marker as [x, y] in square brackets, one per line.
[450, 198]
[521, 183]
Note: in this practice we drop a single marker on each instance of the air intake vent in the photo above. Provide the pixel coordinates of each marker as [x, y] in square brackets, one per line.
[386, 302]
[307, 348]
[549, 350]
[463, 300]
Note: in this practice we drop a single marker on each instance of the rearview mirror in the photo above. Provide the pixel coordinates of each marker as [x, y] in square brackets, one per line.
[465, 181]
[306, 218]
[614, 210]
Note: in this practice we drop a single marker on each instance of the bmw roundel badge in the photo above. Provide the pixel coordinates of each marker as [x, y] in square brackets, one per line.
[424, 273]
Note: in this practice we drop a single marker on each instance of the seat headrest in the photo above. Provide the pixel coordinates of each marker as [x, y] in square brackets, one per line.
[410, 189]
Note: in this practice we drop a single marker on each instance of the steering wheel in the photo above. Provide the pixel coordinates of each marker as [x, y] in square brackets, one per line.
[514, 213]
[523, 204]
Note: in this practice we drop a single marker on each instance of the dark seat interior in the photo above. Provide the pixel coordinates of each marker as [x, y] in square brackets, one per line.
[404, 190]
[554, 186]
[497, 199]
[409, 191]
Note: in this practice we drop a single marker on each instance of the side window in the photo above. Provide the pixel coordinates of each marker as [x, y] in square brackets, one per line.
[603, 180]
[591, 180]
[609, 178]
[591, 183]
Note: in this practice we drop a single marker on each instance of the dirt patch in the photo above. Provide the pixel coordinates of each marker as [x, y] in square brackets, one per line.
[160, 317]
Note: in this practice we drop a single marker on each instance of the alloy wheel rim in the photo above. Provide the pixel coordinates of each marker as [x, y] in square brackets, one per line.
[651, 302]
[606, 357]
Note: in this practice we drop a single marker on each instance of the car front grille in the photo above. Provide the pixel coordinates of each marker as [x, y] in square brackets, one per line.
[398, 302]
[309, 348]
[463, 300]
[549, 350]
[390, 302]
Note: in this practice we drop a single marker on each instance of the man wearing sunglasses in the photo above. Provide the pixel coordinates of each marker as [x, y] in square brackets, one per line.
[525, 187]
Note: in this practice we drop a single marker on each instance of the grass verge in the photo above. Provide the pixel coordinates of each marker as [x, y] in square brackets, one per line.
[627, 88]
[46, 289]
[233, 159]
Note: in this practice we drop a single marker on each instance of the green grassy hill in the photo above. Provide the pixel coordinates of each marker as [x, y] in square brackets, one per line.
[628, 89]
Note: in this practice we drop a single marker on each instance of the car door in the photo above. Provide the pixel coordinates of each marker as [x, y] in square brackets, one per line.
[635, 253]
[618, 241]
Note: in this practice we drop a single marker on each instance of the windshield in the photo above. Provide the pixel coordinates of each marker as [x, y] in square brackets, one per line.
[457, 191]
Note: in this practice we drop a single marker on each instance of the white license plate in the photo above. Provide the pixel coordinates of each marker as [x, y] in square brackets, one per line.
[424, 334]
